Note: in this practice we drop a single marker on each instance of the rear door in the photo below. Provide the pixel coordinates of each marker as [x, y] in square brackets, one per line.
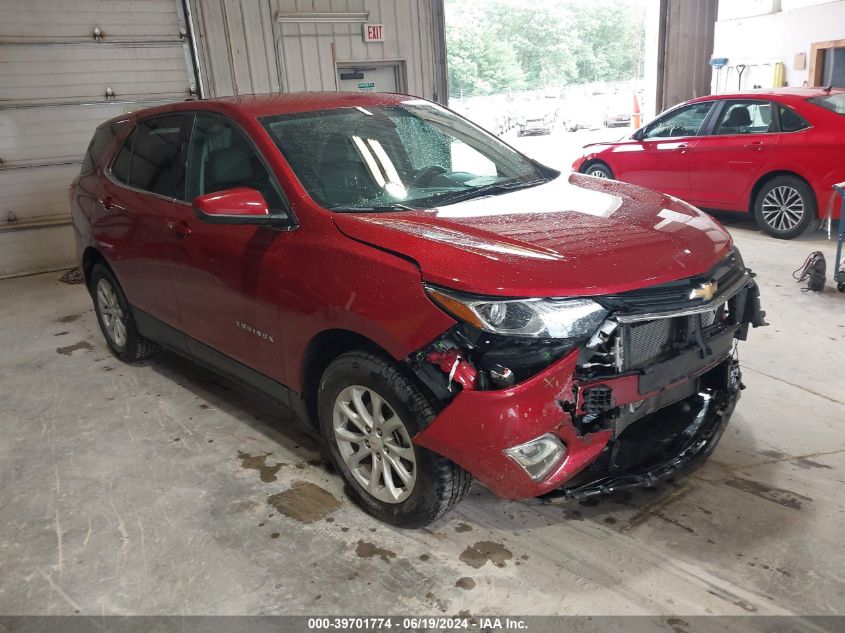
[729, 159]
[228, 277]
[660, 158]
[137, 204]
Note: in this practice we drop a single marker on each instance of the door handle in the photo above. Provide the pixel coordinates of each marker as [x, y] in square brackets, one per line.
[180, 230]
[754, 146]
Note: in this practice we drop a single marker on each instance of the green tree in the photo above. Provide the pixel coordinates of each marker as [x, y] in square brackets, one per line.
[496, 45]
[480, 63]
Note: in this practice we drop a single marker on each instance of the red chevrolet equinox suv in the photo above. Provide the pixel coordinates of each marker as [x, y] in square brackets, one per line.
[440, 306]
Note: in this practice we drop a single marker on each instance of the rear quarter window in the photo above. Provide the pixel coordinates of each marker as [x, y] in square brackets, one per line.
[791, 121]
[120, 167]
[103, 137]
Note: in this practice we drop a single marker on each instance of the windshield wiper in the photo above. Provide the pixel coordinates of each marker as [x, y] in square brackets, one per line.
[491, 189]
[387, 208]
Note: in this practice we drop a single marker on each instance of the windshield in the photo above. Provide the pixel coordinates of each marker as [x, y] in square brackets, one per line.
[835, 102]
[414, 155]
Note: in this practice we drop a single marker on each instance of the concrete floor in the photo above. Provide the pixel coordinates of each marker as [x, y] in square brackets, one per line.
[145, 489]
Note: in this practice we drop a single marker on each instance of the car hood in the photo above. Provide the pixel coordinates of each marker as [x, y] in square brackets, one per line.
[573, 236]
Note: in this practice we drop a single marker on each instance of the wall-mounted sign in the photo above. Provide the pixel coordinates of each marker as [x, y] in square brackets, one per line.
[367, 86]
[373, 32]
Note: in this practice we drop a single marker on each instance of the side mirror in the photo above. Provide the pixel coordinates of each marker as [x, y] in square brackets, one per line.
[241, 205]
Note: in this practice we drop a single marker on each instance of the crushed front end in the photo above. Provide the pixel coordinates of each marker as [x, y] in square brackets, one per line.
[646, 394]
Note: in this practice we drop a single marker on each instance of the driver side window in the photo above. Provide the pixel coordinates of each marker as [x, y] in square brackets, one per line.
[686, 121]
[221, 157]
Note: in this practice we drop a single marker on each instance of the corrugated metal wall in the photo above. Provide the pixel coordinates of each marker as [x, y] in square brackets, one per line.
[244, 49]
[686, 40]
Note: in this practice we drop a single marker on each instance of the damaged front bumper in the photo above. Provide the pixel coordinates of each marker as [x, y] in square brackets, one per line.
[477, 428]
[682, 436]
[620, 423]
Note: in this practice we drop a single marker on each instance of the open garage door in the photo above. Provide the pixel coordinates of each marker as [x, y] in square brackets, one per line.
[64, 68]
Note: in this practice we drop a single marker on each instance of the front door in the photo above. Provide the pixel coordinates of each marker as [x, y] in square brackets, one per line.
[660, 158]
[227, 276]
[727, 162]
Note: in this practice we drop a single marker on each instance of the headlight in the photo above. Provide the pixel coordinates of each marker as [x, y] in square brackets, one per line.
[533, 318]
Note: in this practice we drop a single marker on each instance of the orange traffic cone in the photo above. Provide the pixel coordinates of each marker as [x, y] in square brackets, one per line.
[637, 117]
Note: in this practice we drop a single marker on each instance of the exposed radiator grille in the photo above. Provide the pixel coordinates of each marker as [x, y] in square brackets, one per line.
[646, 341]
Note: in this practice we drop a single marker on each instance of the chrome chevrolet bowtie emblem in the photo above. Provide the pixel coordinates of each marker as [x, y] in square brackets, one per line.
[705, 291]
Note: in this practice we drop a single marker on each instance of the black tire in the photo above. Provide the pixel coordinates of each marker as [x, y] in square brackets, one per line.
[132, 347]
[439, 483]
[598, 169]
[781, 224]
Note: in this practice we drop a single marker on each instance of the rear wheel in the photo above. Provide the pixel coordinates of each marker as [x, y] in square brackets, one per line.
[115, 317]
[785, 207]
[598, 170]
[369, 410]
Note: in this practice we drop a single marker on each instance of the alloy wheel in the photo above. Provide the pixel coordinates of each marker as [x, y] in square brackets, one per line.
[374, 444]
[783, 208]
[111, 313]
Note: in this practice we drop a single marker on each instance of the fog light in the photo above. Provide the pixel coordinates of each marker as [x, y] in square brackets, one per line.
[539, 456]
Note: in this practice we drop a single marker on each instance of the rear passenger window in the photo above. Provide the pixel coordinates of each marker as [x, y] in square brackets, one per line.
[790, 121]
[746, 117]
[152, 157]
[156, 157]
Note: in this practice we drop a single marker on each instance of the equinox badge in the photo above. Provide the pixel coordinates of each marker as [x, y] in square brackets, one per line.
[705, 291]
[248, 328]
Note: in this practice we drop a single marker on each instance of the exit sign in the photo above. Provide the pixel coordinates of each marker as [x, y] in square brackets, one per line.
[373, 32]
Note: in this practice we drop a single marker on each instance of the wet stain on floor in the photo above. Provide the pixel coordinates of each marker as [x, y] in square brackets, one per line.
[777, 495]
[809, 463]
[466, 583]
[477, 555]
[70, 349]
[370, 550]
[259, 463]
[305, 502]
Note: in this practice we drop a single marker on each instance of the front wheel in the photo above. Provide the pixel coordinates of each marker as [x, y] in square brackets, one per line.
[785, 207]
[369, 410]
[599, 170]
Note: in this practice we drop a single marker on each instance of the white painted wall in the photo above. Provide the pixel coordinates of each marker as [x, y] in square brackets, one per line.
[759, 33]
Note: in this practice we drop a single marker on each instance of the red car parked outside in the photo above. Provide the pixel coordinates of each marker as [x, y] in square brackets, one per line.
[436, 303]
[775, 153]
